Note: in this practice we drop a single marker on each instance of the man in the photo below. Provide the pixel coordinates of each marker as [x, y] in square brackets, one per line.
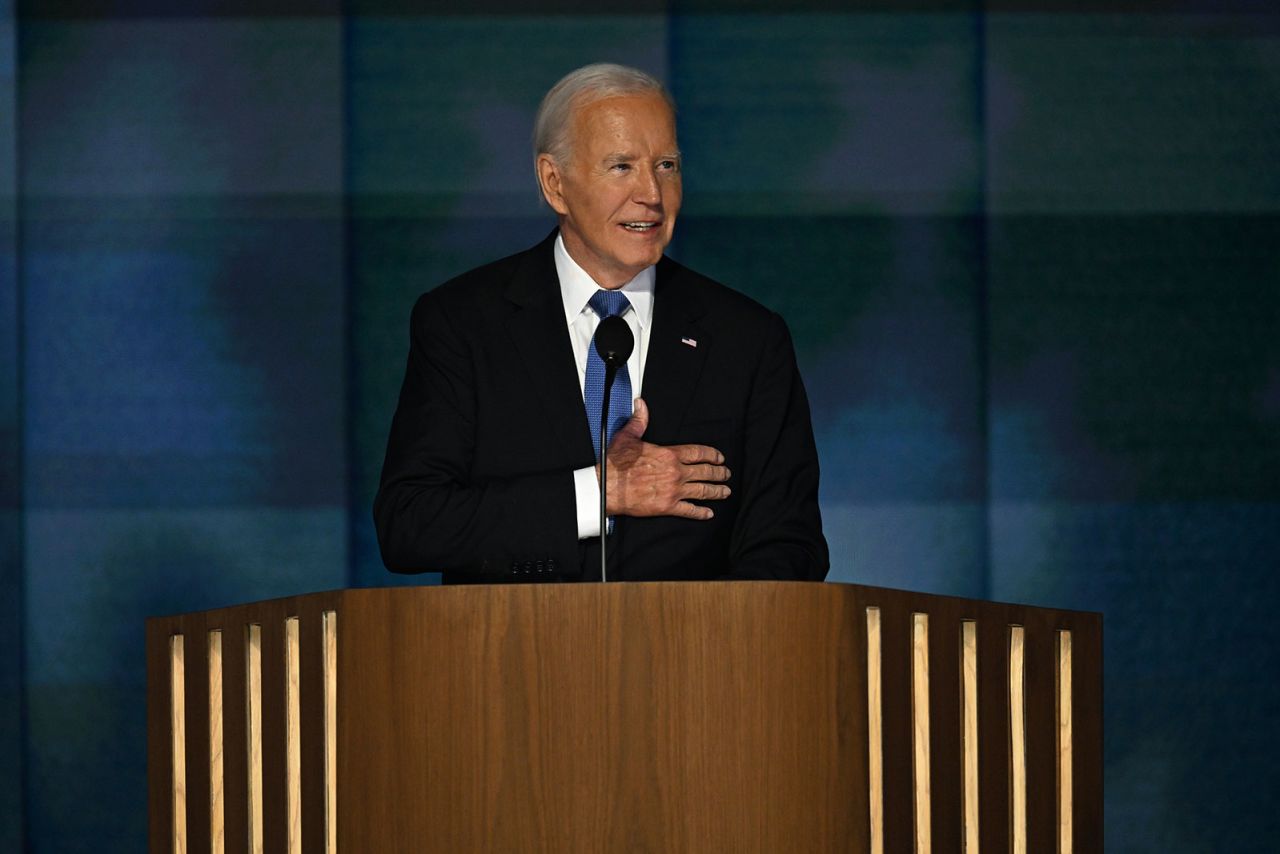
[491, 473]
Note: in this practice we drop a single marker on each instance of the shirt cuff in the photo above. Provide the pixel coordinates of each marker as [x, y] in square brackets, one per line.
[586, 491]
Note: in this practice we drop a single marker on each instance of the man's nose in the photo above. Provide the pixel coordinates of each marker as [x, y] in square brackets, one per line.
[647, 189]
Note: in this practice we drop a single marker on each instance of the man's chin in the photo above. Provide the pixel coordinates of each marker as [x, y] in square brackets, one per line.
[623, 263]
[646, 256]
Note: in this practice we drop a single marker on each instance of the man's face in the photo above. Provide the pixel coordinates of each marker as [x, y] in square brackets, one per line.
[620, 192]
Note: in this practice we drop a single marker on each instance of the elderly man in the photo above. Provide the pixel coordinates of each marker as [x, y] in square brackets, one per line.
[491, 472]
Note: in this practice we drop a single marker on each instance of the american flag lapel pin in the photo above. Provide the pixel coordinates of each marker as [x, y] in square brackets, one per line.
[692, 342]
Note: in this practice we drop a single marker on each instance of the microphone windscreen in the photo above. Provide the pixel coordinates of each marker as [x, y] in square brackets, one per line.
[614, 341]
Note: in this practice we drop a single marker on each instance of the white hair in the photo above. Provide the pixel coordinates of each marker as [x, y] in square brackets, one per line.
[586, 85]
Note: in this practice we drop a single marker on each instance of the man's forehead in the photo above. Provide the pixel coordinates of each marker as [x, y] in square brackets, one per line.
[624, 127]
[647, 108]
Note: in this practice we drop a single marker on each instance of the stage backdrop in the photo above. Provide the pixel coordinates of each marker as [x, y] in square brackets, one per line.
[1030, 257]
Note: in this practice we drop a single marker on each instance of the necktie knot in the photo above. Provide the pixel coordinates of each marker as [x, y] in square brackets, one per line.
[608, 303]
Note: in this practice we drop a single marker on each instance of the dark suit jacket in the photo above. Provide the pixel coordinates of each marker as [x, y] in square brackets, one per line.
[490, 426]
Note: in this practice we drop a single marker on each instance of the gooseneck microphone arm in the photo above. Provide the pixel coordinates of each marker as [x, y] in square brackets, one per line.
[610, 371]
[614, 343]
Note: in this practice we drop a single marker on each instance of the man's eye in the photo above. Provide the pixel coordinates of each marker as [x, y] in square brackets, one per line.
[668, 165]
[620, 167]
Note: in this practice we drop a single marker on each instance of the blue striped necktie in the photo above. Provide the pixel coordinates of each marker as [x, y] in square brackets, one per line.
[606, 304]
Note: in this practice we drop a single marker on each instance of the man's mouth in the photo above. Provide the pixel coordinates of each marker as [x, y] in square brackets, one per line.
[639, 226]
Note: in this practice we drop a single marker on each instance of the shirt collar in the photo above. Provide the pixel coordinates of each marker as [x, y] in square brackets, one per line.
[577, 288]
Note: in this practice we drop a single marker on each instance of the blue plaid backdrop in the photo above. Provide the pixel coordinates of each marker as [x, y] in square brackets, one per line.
[1030, 256]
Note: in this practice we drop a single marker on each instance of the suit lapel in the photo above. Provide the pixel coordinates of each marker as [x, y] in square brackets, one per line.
[540, 337]
[678, 347]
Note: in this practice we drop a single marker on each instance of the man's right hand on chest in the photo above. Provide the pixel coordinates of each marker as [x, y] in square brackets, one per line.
[661, 480]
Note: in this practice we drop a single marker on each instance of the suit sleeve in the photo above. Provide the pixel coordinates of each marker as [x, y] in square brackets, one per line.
[778, 531]
[431, 513]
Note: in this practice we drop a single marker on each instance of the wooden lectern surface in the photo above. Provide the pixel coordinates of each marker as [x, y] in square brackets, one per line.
[656, 717]
[676, 718]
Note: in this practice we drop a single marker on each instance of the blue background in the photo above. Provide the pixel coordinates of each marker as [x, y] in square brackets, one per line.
[1030, 257]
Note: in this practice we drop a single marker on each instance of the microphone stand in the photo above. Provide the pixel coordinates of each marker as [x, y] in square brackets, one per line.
[613, 342]
[610, 371]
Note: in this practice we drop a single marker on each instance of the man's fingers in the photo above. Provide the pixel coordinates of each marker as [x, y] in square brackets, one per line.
[653, 480]
[685, 510]
[706, 491]
[690, 454]
[707, 473]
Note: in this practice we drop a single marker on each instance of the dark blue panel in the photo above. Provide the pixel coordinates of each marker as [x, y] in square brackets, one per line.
[155, 108]
[1133, 113]
[835, 114]
[88, 781]
[11, 686]
[125, 9]
[184, 362]
[1136, 357]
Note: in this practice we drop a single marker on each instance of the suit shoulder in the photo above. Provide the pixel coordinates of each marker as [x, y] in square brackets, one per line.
[474, 285]
[478, 288]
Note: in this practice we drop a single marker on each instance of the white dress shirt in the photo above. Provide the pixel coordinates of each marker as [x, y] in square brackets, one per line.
[576, 290]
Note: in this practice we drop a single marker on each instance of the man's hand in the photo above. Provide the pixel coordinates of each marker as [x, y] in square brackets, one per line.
[658, 480]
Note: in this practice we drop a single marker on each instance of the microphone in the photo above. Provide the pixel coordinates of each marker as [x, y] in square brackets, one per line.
[614, 343]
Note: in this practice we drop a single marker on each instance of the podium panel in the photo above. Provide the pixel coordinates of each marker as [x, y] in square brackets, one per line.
[663, 717]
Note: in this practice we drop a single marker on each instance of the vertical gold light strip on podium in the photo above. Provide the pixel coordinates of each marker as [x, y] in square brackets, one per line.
[217, 808]
[178, 740]
[292, 737]
[330, 625]
[1017, 743]
[920, 732]
[969, 736]
[875, 733]
[253, 715]
[1065, 805]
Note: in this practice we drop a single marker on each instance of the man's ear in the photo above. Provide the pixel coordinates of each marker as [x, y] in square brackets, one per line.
[551, 178]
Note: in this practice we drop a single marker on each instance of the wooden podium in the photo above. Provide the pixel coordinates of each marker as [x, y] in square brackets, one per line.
[654, 717]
